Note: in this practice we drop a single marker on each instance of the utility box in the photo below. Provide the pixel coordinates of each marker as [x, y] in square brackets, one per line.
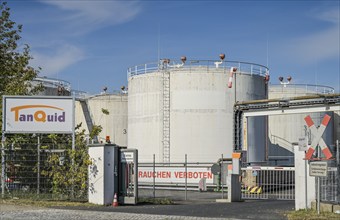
[103, 173]
[128, 179]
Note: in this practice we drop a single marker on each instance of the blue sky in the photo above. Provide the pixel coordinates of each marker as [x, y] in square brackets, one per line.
[91, 43]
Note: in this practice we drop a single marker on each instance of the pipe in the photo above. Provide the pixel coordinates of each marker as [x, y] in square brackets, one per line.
[267, 77]
[289, 99]
[218, 63]
[232, 72]
[224, 159]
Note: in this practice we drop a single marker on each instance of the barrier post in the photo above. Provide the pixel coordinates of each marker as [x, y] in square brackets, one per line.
[234, 184]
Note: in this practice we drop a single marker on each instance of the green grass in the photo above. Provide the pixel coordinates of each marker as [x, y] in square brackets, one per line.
[311, 214]
[59, 202]
[32, 195]
[44, 203]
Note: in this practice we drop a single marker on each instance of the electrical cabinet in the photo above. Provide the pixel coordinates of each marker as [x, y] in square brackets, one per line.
[103, 173]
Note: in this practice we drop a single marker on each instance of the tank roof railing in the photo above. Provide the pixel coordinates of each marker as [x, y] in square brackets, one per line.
[81, 95]
[54, 82]
[307, 88]
[242, 67]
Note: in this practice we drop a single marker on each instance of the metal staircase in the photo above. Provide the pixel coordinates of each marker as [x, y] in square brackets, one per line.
[87, 115]
[166, 116]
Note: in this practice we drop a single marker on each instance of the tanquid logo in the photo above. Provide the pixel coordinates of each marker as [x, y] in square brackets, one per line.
[39, 115]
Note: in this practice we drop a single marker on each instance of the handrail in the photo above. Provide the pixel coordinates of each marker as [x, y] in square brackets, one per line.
[309, 88]
[242, 67]
[54, 82]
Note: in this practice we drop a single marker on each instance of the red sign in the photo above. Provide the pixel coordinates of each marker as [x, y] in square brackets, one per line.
[174, 174]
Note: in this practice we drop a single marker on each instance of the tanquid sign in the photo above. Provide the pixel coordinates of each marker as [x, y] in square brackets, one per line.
[35, 114]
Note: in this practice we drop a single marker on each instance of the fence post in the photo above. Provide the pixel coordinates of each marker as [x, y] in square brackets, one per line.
[73, 153]
[38, 167]
[186, 176]
[221, 179]
[306, 186]
[153, 176]
[338, 170]
[3, 165]
[318, 186]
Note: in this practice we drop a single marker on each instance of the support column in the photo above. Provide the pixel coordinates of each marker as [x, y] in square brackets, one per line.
[303, 180]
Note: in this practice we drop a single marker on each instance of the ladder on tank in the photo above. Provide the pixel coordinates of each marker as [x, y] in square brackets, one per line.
[166, 116]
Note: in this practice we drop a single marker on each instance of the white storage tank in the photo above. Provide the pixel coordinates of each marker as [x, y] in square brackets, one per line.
[53, 87]
[176, 109]
[284, 130]
[108, 110]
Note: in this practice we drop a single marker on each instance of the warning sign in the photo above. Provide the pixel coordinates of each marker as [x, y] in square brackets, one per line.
[318, 168]
[174, 174]
[318, 141]
[126, 157]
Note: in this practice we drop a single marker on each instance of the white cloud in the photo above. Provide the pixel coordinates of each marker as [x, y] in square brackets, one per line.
[64, 21]
[318, 47]
[331, 15]
[83, 16]
[315, 47]
[63, 57]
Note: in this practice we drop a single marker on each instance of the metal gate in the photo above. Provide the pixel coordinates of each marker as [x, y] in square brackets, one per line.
[268, 183]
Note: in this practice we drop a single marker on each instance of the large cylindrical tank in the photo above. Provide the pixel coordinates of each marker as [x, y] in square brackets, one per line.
[107, 110]
[284, 130]
[177, 109]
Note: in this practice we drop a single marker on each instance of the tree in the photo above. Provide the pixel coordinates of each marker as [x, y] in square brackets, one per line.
[68, 177]
[15, 73]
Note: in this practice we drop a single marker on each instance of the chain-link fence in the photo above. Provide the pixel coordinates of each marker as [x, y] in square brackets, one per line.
[41, 169]
[329, 186]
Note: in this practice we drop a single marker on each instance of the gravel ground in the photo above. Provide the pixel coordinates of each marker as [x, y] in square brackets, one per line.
[25, 212]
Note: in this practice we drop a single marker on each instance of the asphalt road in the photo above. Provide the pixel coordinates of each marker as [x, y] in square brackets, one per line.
[197, 206]
[203, 205]
[251, 209]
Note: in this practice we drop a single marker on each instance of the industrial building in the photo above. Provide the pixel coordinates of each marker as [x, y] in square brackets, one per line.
[185, 107]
